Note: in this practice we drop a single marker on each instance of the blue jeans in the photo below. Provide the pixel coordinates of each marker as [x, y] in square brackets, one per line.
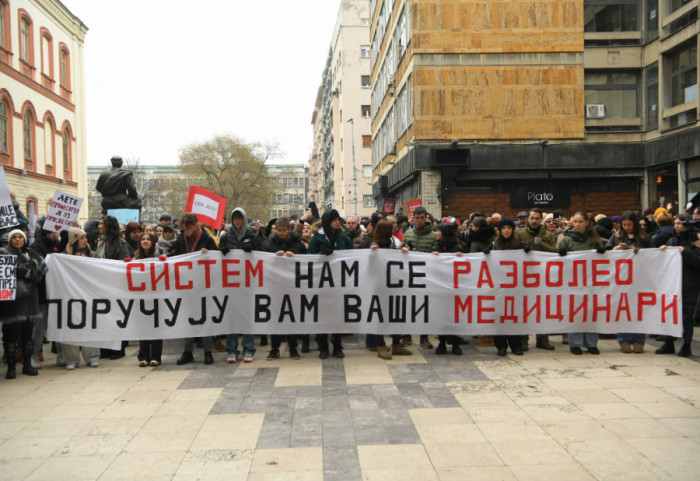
[628, 338]
[248, 344]
[579, 339]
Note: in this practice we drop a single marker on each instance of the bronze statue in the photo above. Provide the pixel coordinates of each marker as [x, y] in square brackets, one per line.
[117, 188]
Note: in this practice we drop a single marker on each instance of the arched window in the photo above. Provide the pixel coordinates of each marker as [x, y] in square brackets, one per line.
[6, 116]
[47, 76]
[49, 143]
[67, 152]
[64, 74]
[3, 129]
[5, 36]
[29, 139]
[26, 43]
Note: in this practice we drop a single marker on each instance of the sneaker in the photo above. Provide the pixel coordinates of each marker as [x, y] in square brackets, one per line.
[70, 367]
[231, 359]
[426, 344]
[59, 362]
[576, 350]
[155, 363]
[143, 363]
[294, 354]
[274, 354]
[399, 350]
[638, 348]
[36, 364]
[626, 348]
[594, 350]
[94, 363]
[247, 357]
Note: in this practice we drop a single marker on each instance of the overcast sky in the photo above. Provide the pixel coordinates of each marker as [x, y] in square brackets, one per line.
[162, 74]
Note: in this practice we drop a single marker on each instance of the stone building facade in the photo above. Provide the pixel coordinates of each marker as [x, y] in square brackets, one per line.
[503, 104]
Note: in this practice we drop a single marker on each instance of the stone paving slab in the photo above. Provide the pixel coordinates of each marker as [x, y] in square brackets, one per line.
[424, 417]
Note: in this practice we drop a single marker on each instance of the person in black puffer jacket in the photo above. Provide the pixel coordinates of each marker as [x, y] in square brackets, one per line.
[447, 242]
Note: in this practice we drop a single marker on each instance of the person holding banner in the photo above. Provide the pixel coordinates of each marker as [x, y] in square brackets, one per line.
[240, 236]
[69, 354]
[192, 239]
[329, 238]
[506, 241]
[112, 246]
[284, 242]
[150, 350]
[18, 316]
[581, 237]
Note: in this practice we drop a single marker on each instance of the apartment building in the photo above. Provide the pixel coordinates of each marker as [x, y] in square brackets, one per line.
[291, 183]
[42, 102]
[568, 104]
[340, 172]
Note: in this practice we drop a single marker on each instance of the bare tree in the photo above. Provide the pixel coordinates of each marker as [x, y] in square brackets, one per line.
[234, 169]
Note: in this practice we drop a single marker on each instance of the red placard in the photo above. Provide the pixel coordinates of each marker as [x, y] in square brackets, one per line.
[412, 204]
[209, 207]
[389, 206]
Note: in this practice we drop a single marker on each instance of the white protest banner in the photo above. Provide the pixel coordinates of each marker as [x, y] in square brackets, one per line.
[208, 206]
[8, 279]
[124, 216]
[63, 212]
[8, 217]
[364, 291]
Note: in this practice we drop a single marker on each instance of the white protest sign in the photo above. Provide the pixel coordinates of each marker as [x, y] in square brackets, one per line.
[8, 279]
[8, 218]
[63, 212]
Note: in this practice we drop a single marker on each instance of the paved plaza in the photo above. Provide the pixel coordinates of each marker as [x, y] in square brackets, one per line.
[545, 415]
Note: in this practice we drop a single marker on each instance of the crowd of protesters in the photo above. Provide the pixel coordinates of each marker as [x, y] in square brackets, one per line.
[24, 320]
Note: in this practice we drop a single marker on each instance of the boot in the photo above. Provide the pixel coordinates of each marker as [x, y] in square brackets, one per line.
[543, 343]
[338, 351]
[399, 350]
[442, 348]
[685, 350]
[667, 348]
[186, 358]
[27, 368]
[383, 353]
[11, 351]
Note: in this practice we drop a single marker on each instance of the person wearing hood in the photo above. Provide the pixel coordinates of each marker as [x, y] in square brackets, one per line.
[192, 239]
[480, 235]
[166, 241]
[581, 237]
[17, 317]
[604, 227]
[329, 238]
[284, 242]
[240, 236]
[132, 237]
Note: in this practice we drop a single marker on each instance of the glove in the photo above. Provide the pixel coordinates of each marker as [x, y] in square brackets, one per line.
[225, 250]
[128, 259]
[636, 250]
[162, 257]
[527, 249]
[328, 251]
[247, 248]
[600, 250]
[487, 250]
[562, 252]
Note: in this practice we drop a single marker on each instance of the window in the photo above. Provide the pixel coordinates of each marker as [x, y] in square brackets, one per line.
[684, 75]
[652, 16]
[401, 112]
[4, 27]
[676, 4]
[64, 73]
[24, 41]
[652, 96]
[368, 201]
[28, 129]
[49, 143]
[365, 111]
[366, 82]
[366, 141]
[67, 152]
[46, 58]
[611, 16]
[617, 90]
[366, 171]
[364, 51]
[3, 128]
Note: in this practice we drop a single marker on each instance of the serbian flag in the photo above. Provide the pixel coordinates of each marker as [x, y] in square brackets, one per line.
[209, 207]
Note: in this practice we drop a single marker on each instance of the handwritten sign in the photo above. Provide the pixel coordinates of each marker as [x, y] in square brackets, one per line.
[8, 217]
[63, 212]
[208, 206]
[8, 278]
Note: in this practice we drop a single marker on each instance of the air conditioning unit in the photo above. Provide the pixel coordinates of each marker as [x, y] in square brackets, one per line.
[595, 111]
